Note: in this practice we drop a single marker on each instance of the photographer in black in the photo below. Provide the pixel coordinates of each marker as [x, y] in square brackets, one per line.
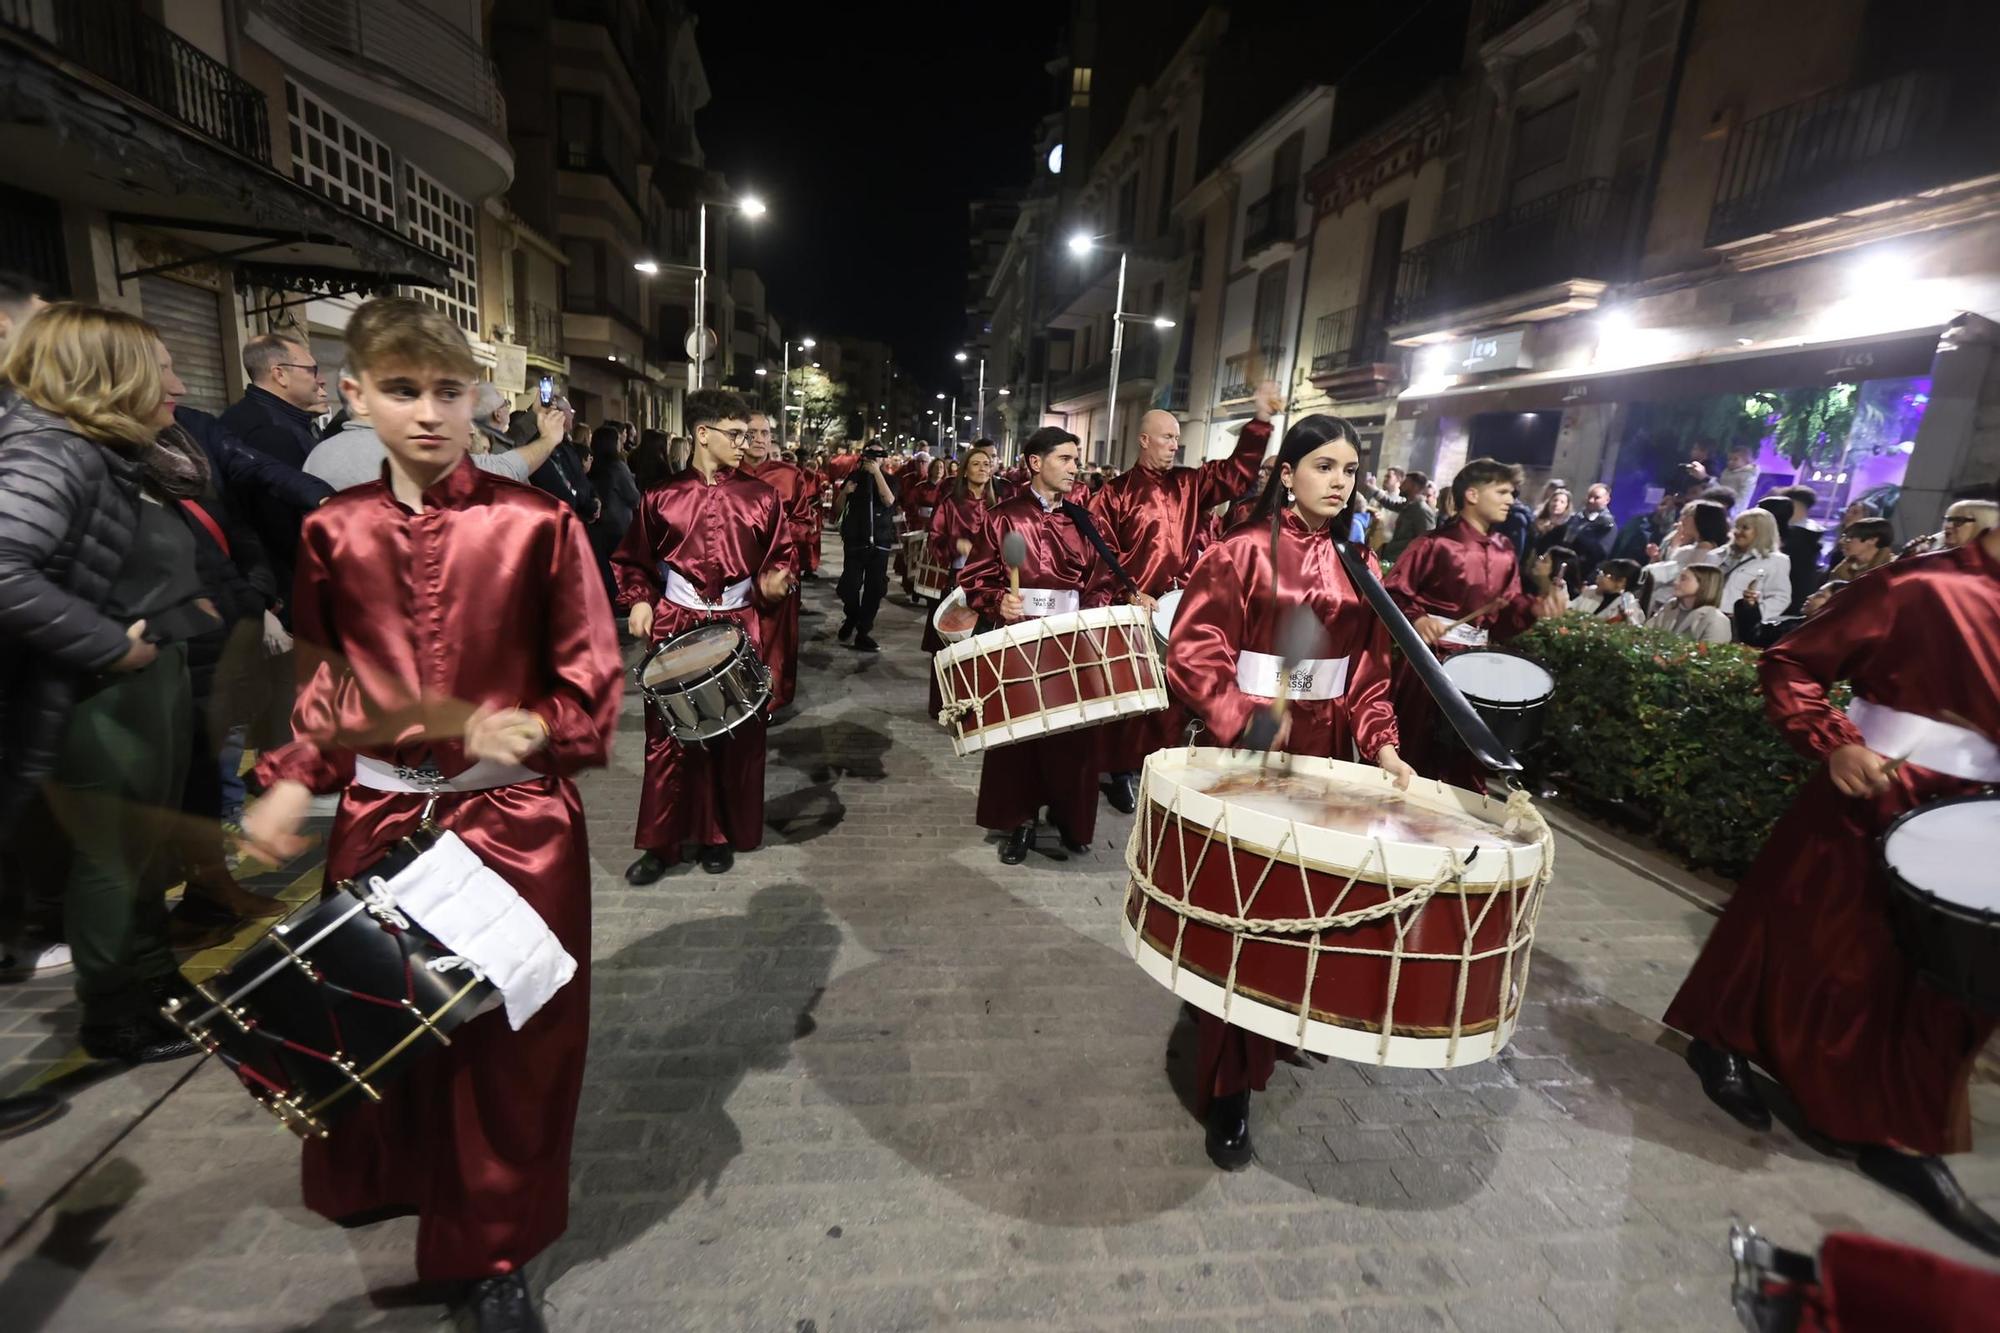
[867, 509]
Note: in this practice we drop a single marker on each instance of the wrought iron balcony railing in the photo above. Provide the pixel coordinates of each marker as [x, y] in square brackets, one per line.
[1850, 148]
[118, 44]
[1576, 232]
[1270, 219]
[1136, 362]
[1242, 373]
[1344, 340]
[538, 328]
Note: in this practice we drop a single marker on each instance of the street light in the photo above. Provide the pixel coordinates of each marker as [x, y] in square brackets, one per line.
[962, 358]
[1080, 245]
[750, 206]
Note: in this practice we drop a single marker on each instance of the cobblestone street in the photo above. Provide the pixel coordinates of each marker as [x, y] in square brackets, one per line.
[872, 1080]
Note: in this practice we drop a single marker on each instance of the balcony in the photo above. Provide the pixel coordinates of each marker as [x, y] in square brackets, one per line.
[1572, 240]
[1852, 149]
[537, 327]
[1350, 359]
[152, 64]
[1242, 373]
[1177, 395]
[1270, 220]
[1136, 363]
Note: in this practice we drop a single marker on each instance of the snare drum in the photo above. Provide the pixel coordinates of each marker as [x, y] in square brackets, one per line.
[1312, 902]
[953, 620]
[336, 1001]
[1047, 675]
[1165, 607]
[1944, 898]
[705, 682]
[1510, 693]
[929, 576]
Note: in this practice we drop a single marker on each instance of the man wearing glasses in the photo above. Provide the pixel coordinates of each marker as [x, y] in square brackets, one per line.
[275, 417]
[1967, 519]
[710, 544]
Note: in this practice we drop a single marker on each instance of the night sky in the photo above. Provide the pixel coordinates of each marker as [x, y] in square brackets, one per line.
[868, 129]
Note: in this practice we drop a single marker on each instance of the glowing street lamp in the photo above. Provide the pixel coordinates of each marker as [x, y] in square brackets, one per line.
[750, 206]
[1080, 245]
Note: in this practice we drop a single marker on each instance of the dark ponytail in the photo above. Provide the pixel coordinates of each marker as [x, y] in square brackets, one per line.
[1306, 435]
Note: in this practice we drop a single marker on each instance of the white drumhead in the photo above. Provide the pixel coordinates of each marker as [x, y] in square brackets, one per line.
[1164, 610]
[953, 619]
[1499, 678]
[1948, 850]
[691, 654]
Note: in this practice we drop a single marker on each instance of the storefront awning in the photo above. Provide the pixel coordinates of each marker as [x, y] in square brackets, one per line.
[1739, 370]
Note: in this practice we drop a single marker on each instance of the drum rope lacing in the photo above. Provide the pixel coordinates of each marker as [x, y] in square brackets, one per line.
[960, 680]
[1402, 904]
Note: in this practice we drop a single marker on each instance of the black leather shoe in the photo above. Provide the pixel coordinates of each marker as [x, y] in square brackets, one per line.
[499, 1305]
[1929, 1183]
[846, 631]
[717, 859]
[136, 1042]
[1123, 792]
[1070, 844]
[1229, 1131]
[647, 869]
[863, 643]
[1725, 1077]
[1015, 849]
[21, 1113]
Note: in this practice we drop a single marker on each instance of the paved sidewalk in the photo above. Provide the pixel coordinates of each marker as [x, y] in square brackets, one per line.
[875, 1080]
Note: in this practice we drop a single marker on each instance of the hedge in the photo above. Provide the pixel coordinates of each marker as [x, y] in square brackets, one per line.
[1668, 730]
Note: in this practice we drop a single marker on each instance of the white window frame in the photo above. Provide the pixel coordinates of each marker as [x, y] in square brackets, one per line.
[447, 226]
[355, 169]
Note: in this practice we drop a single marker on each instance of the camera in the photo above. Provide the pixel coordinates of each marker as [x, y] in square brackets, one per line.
[875, 452]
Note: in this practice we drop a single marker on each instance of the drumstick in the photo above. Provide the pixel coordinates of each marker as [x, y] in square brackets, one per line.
[1471, 616]
[1299, 638]
[1014, 554]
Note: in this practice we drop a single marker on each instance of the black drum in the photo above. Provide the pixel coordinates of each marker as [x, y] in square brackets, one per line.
[335, 1001]
[1944, 895]
[1510, 693]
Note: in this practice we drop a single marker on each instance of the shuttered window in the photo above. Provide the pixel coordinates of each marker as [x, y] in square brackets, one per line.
[190, 323]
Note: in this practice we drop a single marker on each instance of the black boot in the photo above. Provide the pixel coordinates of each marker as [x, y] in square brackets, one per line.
[498, 1305]
[647, 869]
[1071, 844]
[1929, 1183]
[1725, 1077]
[1014, 850]
[136, 1041]
[846, 631]
[1229, 1131]
[21, 1113]
[1123, 792]
[716, 860]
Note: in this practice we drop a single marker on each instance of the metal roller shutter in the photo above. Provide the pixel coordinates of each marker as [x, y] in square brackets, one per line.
[190, 323]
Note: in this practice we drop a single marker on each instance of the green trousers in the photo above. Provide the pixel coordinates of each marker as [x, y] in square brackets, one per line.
[116, 792]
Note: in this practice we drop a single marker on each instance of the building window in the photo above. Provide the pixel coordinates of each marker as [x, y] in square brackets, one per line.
[447, 226]
[1541, 151]
[1128, 208]
[335, 158]
[583, 279]
[1079, 87]
[1168, 160]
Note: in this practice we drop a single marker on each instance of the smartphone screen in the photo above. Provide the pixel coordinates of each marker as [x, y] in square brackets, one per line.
[548, 389]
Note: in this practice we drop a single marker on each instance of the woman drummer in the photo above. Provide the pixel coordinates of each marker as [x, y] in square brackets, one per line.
[1224, 664]
[957, 518]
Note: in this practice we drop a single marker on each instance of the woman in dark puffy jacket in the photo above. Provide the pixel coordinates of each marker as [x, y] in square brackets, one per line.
[99, 594]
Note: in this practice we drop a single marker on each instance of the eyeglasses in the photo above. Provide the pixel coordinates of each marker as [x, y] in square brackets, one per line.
[1952, 521]
[735, 436]
[293, 365]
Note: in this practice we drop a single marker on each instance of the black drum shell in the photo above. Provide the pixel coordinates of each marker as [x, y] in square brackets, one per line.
[1954, 947]
[1517, 725]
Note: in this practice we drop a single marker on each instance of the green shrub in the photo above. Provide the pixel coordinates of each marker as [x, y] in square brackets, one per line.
[1670, 729]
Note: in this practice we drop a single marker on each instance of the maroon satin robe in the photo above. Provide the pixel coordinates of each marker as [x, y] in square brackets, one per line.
[1060, 772]
[952, 520]
[780, 623]
[1156, 521]
[1451, 572]
[713, 534]
[405, 622]
[1802, 974]
[1228, 609]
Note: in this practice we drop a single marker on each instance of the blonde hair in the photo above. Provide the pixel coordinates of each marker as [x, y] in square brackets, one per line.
[401, 330]
[1707, 584]
[95, 368]
[1765, 539]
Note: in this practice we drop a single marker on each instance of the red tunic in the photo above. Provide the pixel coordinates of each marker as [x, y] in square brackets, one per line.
[952, 520]
[714, 535]
[1060, 772]
[1801, 975]
[1450, 572]
[1157, 520]
[405, 622]
[1228, 609]
[780, 624]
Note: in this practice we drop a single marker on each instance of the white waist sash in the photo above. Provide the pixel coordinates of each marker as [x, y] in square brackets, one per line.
[1926, 742]
[1313, 678]
[680, 592]
[1039, 602]
[1465, 636]
[482, 776]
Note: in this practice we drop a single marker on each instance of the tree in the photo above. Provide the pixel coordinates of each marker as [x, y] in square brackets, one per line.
[823, 403]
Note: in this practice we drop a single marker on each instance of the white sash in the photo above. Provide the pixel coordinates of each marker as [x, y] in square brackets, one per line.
[482, 776]
[1313, 678]
[1926, 742]
[1039, 602]
[680, 592]
[1465, 636]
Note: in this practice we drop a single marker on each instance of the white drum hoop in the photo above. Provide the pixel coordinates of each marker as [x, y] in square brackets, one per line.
[964, 697]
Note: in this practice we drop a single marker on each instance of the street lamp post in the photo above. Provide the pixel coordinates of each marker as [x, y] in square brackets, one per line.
[751, 207]
[962, 358]
[1081, 245]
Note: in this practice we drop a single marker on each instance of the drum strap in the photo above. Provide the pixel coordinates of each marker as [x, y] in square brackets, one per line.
[1081, 517]
[482, 776]
[1926, 742]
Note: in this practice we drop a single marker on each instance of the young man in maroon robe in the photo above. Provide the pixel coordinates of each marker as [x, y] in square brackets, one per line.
[780, 623]
[450, 624]
[1063, 572]
[1803, 975]
[1155, 516]
[712, 543]
[1462, 571]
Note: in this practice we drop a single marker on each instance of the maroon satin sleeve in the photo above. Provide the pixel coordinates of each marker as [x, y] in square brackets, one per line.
[1369, 693]
[1208, 629]
[634, 564]
[780, 552]
[1798, 671]
[1409, 579]
[984, 578]
[586, 675]
[312, 756]
[1223, 479]
[1100, 586]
